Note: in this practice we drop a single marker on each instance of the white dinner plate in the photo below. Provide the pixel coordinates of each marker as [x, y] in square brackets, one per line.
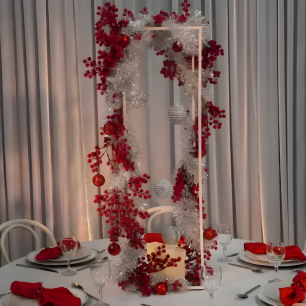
[263, 296]
[82, 252]
[264, 257]
[16, 300]
[290, 263]
[31, 258]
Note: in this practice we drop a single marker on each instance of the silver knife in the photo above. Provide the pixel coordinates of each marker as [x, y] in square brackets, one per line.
[235, 254]
[30, 267]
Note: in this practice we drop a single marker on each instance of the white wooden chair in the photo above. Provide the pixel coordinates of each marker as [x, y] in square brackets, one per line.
[23, 223]
[155, 211]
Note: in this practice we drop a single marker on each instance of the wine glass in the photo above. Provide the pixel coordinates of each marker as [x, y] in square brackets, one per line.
[225, 238]
[211, 277]
[100, 274]
[276, 253]
[69, 246]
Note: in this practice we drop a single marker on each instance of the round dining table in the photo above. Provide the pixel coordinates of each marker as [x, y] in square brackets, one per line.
[234, 280]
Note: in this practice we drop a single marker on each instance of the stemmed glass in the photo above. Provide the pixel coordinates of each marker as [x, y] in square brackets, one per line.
[276, 253]
[69, 246]
[211, 277]
[100, 274]
[224, 237]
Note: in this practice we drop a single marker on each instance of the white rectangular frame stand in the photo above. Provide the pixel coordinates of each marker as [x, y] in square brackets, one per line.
[199, 28]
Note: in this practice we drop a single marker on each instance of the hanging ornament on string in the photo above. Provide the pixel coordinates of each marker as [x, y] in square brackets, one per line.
[177, 114]
[177, 47]
[98, 180]
[171, 235]
[114, 249]
[161, 288]
[163, 189]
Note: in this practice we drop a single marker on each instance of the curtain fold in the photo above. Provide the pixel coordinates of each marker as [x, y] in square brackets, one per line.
[50, 117]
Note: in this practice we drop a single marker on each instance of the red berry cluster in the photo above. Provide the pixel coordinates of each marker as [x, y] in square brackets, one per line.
[119, 152]
[115, 42]
[135, 186]
[193, 262]
[114, 126]
[144, 11]
[121, 214]
[179, 185]
[152, 263]
[169, 70]
[215, 112]
[175, 285]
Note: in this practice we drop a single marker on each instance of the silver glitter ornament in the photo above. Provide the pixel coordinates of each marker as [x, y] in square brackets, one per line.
[171, 235]
[177, 114]
[163, 189]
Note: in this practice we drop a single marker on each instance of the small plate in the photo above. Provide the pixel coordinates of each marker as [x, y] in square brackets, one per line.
[242, 256]
[31, 258]
[264, 257]
[11, 299]
[80, 253]
[272, 290]
[263, 297]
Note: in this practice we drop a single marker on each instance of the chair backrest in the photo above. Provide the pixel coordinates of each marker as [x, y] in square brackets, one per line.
[23, 223]
[155, 211]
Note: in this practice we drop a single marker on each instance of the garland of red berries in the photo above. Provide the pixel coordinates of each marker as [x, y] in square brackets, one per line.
[118, 205]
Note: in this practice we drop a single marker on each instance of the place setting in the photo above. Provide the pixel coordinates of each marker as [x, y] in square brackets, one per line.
[32, 294]
[68, 252]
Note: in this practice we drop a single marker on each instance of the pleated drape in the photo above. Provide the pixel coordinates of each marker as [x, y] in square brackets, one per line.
[50, 117]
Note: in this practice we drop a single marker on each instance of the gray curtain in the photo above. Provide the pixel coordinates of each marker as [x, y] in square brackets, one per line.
[50, 115]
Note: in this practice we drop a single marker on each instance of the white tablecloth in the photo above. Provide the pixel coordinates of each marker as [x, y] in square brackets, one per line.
[234, 280]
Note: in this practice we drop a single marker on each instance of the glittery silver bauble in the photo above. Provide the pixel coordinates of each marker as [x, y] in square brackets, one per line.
[171, 235]
[163, 189]
[177, 114]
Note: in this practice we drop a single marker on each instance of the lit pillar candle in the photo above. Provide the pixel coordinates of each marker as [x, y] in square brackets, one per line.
[174, 251]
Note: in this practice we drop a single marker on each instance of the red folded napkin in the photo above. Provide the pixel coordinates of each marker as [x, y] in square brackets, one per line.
[292, 251]
[28, 290]
[153, 237]
[58, 297]
[255, 247]
[48, 297]
[52, 253]
[295, 293]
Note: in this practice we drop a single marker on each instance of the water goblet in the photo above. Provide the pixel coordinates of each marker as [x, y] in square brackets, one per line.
[224, 237]
[69, 246]
[100, 274]
[211, 277]
[276, 253]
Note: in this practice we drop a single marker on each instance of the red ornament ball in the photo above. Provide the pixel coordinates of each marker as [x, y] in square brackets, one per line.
[109, 128]
[177, 46]
[98, 180]
[114, 249]
[161, 288]
[123, 40]
[209, 233]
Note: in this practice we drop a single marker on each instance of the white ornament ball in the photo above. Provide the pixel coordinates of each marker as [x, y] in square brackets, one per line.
[163, 189]
[171, 235]
[177, 114]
